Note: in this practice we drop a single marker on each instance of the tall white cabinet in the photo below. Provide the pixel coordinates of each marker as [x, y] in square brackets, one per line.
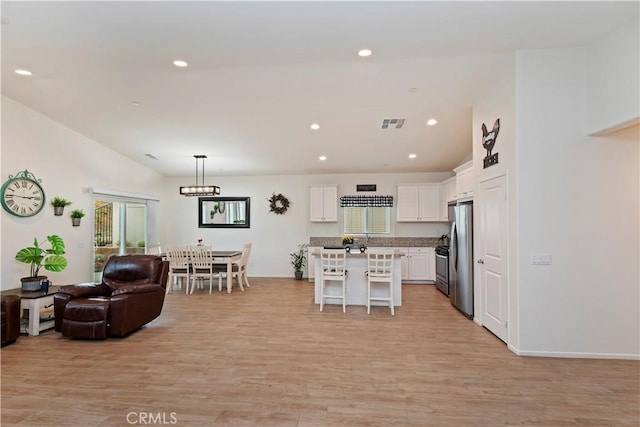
[323, 203]
[464, 180]
[448, 193]
[418, 202]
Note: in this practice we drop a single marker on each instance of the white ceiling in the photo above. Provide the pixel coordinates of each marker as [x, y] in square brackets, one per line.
[261, 72]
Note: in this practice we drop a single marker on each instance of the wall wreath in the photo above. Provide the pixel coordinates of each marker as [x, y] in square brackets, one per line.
[278, 203]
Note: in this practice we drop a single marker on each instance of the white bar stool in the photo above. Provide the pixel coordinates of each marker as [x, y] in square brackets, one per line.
[380, 265]
[333, 263]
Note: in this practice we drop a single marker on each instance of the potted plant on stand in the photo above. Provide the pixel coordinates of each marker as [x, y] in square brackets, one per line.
[299, 260]
[51, 259]
[76, 215]
[58, 204]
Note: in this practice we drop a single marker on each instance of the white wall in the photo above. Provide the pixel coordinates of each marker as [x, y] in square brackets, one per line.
[613, 80]
[273, 236]
[67, 163]
[498, 101]
[578, 201]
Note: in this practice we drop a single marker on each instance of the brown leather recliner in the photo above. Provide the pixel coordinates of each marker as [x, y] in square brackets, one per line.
[10, 319]
[131, 295]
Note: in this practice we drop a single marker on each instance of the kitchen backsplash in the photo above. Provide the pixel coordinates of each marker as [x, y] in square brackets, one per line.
[396, 242]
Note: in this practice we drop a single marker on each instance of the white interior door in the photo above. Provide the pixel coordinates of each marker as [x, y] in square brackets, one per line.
[492, 258]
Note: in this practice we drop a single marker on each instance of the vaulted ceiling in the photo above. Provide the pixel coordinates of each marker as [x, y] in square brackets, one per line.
[260, 73]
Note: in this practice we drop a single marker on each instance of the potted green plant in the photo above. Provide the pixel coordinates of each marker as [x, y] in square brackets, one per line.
[299, 260]
[58, 204]
[76, 215]
[38, 257]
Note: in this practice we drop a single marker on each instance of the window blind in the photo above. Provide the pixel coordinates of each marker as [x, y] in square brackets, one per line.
[354, 221]
[373, 220]
[377, 220]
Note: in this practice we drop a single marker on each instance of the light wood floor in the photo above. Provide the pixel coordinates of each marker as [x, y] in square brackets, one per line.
[268, 357]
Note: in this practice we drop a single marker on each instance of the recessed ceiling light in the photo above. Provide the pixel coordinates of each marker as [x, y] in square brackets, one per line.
[364, 52]
[314, 126]
[412, 156]
[180, 63]
[432, 122]
[323, 158]
[23, 72]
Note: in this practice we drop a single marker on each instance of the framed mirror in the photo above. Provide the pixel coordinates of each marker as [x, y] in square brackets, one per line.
[224, 212]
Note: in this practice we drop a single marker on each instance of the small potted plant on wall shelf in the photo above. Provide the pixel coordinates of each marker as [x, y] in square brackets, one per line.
[76, 215]
[37, 257]
[299, 260]
[58, 204]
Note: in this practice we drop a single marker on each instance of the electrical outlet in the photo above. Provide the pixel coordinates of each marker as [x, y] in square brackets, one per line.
[541, 259]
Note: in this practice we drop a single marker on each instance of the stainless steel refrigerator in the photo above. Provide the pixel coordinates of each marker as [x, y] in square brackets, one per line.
[461, 257]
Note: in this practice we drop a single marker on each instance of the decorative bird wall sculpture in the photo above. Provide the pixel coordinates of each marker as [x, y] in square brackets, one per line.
[489, 138]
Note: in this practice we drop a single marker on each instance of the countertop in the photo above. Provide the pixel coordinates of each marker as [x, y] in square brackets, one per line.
[358, 254]
[380, 242]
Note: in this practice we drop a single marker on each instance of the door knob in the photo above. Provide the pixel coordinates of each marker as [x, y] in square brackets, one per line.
[480, 261]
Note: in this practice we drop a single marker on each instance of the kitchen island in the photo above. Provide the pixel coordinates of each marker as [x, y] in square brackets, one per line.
[357, 281]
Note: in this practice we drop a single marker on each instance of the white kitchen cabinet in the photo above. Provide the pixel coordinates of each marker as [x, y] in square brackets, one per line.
[323, 204]
[448, 193]
[311, 273]
[419, 264]
[465, 180]
[418, 202]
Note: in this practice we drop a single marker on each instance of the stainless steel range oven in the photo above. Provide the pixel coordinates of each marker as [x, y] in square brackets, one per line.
[442, 269]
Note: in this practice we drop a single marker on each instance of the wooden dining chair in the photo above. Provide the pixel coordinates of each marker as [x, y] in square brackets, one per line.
[241, 274]
[154, 249]
[178, 257]
[201, 266]
[238, 269]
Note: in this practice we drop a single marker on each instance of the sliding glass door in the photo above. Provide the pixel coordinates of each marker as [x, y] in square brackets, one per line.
[120, 228]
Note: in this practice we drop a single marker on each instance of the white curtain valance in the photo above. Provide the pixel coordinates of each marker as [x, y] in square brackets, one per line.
[366, 201]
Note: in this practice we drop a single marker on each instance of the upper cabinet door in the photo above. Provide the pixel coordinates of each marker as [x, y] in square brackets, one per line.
[430, 202]
[448, 193]
[408, 203]
[323, 204]
[418, 202]
[465, 180]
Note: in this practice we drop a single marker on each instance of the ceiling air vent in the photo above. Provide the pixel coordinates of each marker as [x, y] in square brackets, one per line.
[392, 123]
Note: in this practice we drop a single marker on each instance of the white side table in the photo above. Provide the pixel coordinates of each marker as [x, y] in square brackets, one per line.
[34, 301]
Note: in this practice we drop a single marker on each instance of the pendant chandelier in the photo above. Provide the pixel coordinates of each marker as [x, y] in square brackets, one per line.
[200, 189]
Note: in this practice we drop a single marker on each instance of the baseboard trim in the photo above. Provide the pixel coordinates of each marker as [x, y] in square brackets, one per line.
[574, 355]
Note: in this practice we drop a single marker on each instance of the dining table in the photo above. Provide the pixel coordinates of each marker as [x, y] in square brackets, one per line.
[223, 257]
[228, 258]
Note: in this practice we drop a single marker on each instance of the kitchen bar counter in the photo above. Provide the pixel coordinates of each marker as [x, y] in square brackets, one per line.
[380, 242]
[357, 281]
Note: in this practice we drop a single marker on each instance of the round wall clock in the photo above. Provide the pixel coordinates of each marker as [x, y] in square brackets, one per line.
[22, 195]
